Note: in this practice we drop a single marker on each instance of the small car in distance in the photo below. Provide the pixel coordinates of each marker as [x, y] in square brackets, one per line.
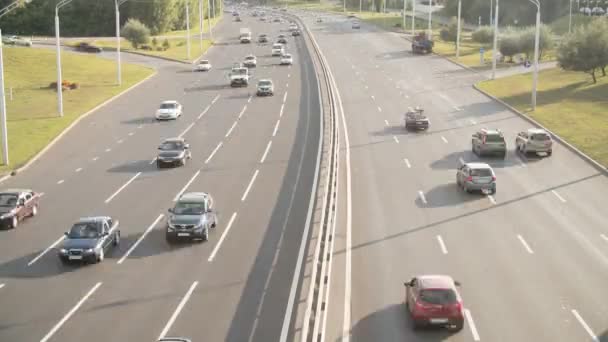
[203, 65]
[191, 217]
[174, 339]
[282, 39]
[433, 300]
[16, 205]
[319, 20]
[356, 25]
[169, 110]
[90, 239]
[277, 49]
[295, 33]
[293, 27]
[489, 141]
[87, 47]
[476, 177]
[262, 38]
[534, 140]
[238, 19]
[16, 40]
[265, 88]
[286, 59]
[173, 152]
[415, 119]
[250, 61]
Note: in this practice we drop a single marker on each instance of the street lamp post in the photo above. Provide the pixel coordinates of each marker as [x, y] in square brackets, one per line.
[209, 19]
[430, 19]
[58, 47]
[458, 32]
[570, 20]
[188, 29]
[117, 4]
[495, 52]
[491, 12]
[404, 8]
[536, 53]
[413, 17]
[200, 22]
[360, 6]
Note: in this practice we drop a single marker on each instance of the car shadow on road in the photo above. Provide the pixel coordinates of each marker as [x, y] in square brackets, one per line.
[142, 120]
[143, 166]
[395, 55]
[393, 323]
[209, 87]
[447, 195]
[392, 130]
[153, 244]
[452, 161]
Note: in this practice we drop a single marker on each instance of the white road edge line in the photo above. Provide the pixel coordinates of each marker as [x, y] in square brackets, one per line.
[122, 188]
[407, 163]
[219, 242]
[471, 323]
[70, 313]
[60, 181]
[444, 139]
[563, 200]
[214, 151]
[249, 99]
[255, 175]
[132, 248]
[266, 152]
[231, 129]
[243, 111]
[186, 186]
[444, 250]
[179, 308]
[46, 250]
[186, 130]
[526, 246]
[421, 196]
[276, 128]
[215, 99]
[282, 108]
[604, 237]
[585, 326]
[396, 139]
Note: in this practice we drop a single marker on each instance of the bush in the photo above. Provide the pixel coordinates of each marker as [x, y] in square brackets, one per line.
[483, 35]
[154, 42]
[527, 40]
[510, 46]
[146, 47]
[160, 48]
[166, 44]
[135, 32]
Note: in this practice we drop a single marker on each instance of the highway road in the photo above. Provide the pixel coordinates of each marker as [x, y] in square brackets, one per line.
[255, 156]
[532, 259]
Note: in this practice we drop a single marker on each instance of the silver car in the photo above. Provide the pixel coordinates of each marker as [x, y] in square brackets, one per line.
[476, 177]
[534, 140]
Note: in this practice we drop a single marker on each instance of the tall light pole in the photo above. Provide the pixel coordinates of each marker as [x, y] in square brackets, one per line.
[570, 20]
[536, 53]
[209, 19]
[495, 51]
[413, 18]
[117, 4]
[430, 19]
[404, 8]
[58, 47]
[491, 12]
[200, 22]
[360, 6]
[458, 32]
[188, 28]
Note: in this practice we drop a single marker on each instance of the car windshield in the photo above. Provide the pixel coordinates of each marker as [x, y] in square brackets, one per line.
[481, 172]
[171, 146]
[239, 71]
[541, 136]
[438, 296]
[277, 46]
[85, 230]
[286, 56]
[249, 58]
[189, 208]
[204, 62]
[264, 83]
[494, 138]
[8, 200]
[168, 105]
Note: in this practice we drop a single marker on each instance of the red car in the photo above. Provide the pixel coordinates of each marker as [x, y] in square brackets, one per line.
[16, 205]
[433, 300]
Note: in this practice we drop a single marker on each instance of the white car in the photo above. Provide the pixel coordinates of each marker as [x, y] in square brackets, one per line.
[169, 110]
[277, 49]
[250, 61]
[203, 65]
[265, 88]
[286, 59]
[293, 27]
[356, 25]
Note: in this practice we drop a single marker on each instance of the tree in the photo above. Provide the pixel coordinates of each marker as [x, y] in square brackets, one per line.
[528, 38]
[483, 35]
[450, 33]
[586, 49]
[510, 46]
[136, 32]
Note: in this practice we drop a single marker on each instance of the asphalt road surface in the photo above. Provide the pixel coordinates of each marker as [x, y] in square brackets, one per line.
[532, 259]
[255, 156]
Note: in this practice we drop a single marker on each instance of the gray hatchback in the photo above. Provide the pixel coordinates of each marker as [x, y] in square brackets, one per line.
[476, 177]
[488, 141]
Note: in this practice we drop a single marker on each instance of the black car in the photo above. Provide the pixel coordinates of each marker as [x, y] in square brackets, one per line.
[295, 33]
[16, 205]
[173, 152]
[415, 119]
[90, 239]
[86, 47]
[263, 38]
[191, 218]
[282, 40]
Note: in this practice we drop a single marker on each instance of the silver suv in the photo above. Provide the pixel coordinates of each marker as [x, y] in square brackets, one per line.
[191, 217]
[534, 140]
[476, 177]
[489, 141]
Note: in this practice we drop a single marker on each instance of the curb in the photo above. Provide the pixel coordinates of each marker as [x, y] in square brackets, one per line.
[561, 140]
[72, 125]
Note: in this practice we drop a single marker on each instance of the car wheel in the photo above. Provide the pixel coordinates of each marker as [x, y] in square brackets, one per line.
[415, 324]
[458, 326]
[34, 211]
[467, 190]
[504, 155]
[474, 149]
[214, 223]
[549, 153]
[158, 165]
[14, 222]
[117, 239]
[101, 256]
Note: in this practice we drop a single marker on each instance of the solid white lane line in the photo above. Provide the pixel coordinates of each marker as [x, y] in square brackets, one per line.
[287, 85]
[46, 250]
[108, 149]
[186, 186]
[70, 313]
[60, 181]
[255, 175]
[282, 108]
[219, 242]
[285, 97]
[231, 128]
[266, 152]
[243, 111]
[444, 139]
[276, 128]
[444, 250]
[179, 308]
[379, 109]
[386, 122]
[396, 139]
[204, 111]
[122, 187]
[492, 199]
[585, 326]
[407, 162]
[132, 248]
[131, 134]
[471, 324]
[215, 99]
[213, 153]
[604, 237]
[563, 200]
[186, 130]
[421, 196]
[95, 158]
[78, 169]
[526, 246]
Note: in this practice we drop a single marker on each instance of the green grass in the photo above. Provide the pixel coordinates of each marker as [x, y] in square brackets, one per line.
[32, 113]
[569, 104]
[194, 29]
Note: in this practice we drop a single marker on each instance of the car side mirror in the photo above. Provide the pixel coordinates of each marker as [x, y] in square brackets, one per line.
[170, 210]
[66, 233]
[406, 284]
[457, 283]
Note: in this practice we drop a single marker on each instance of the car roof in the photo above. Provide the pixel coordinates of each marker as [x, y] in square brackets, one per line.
[14, 191]
[265, 80]
[478, 165]
[194, 196]
[436, 282]
[170, 101]
[250, 56]
[491, 131]
[537, 131]
[204, 61]
[94, 219]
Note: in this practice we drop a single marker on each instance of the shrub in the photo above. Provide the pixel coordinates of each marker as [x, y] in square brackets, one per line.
[135, 32]
[154, 42]
[483, 35]
[510, 46]
[166, 44]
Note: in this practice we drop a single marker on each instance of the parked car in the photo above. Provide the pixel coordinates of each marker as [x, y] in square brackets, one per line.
[476, 177]
[534, 140]
[90, 239]
[489, 141]
[16, 205]
[191, 218]
[86, 47]
[433, 300]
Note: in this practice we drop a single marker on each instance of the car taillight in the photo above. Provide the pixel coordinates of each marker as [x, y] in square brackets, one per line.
[457, 307]
[470, 179]
[493, 178]
[419, 306]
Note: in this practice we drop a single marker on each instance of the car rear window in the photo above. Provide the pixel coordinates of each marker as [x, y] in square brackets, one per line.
[494, 138]
[481, 173]
[541, 137]
[439, 297]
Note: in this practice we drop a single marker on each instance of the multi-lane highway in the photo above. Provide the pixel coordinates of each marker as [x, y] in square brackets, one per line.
[532, 259]
[256, 156]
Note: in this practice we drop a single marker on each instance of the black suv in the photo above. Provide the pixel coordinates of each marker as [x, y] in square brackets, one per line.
[173, 151]
[89, 239]
[191, 217]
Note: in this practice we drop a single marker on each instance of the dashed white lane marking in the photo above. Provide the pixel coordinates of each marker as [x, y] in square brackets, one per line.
[407, 163]
[604, 237]
[390, 79]
[46, 250]
[458, 109]
[386, 122]
[179, 308]
[396, 139]
[131, 134]
[231, 129]
[282, 108]
[285, 97]
[70, 313]
[444, 250]
[366, 87]
[471, 323]
[242, 111]
[276, 128]
[108, 149]
[461, 160]
[122, 187]
[152, 161]
[213, 152]
[186, 130]
[204, 112]
[421, 196]
[1, 286]
[95, 158]
[132, 248]
[140, 126]
[473, 122]
[60, 181]
[78, 169]
[492, 199]
[563, 200]
[249, 99]
[215, 99]
[379, 109]
[373, 98]
[255, 175]
[585, 326]
[266, 152]
[186, 186]
[219, 243]
[444, 139]
[287, 85]
[120, 141]
[526, 246]
[288, 75]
